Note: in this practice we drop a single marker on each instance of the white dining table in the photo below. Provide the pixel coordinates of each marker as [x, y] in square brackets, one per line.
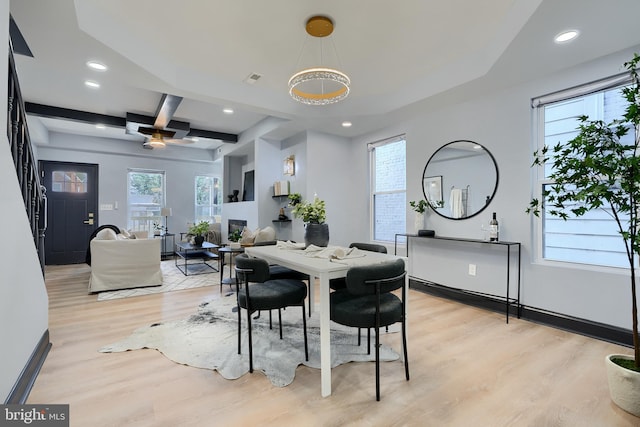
[324, 270]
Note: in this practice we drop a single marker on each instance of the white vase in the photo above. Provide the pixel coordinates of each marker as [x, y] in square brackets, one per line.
[624, 385]
[418, 222]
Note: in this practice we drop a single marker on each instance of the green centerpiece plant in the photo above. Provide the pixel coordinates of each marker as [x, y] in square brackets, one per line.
[314, 215]
[600, 169]
[198, 230]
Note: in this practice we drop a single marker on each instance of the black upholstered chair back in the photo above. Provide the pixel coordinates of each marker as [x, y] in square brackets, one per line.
[363, 280]
[249, 269]
[371, 247]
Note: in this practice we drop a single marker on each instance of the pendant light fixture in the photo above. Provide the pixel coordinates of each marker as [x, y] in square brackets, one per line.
[319, 85]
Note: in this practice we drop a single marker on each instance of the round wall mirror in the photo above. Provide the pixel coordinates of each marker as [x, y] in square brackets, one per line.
[460, 179]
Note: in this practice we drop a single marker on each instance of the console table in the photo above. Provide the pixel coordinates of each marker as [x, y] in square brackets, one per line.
[509, 247]
[191, 255]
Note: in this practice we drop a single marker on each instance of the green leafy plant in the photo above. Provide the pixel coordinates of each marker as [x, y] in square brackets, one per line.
[295, 198]
[311, 212]
[419, 206]
[235, 235]
[596, 170]
[422, 205]
[199, 229]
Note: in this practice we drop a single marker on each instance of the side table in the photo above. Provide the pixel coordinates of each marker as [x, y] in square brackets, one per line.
[166, 249]
[232, 252]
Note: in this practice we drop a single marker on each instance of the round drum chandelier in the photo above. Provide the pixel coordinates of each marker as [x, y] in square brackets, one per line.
[319, 85]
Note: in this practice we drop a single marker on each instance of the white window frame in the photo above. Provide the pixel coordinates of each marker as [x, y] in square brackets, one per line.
[371, 147]
[538, 173]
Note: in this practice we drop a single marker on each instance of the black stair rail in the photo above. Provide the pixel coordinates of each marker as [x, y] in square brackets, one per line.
[25, 163]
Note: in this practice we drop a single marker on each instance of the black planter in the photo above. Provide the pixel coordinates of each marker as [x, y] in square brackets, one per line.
[198, 240]
[316, 234]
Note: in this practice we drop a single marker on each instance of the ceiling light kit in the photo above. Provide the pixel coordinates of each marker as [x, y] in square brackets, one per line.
[566, 36]
[319, 85]
[92, 84]
[95, 65]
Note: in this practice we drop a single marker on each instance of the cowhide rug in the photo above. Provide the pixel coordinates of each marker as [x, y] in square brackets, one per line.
[209, 340]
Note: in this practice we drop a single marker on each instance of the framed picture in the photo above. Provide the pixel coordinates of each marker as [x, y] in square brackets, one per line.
[433, 190]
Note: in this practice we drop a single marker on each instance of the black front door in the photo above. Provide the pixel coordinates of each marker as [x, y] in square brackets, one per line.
[72, 210]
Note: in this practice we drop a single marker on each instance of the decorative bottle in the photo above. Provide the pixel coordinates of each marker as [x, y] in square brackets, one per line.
[493, 229]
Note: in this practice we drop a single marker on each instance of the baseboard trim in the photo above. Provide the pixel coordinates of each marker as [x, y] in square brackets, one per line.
[27, 378]
[575, 325]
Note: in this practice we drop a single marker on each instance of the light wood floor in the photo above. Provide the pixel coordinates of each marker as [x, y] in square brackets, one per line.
[468, 368]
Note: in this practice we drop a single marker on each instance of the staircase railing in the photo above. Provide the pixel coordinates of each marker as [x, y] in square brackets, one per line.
[26, 165]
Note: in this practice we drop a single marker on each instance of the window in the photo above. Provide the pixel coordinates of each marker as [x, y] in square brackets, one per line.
[388, 188]
[592, 238]
[145, 198]
[208, 198]
[68, 182]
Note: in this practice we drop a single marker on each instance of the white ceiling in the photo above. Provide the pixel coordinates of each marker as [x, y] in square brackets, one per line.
[397, 54]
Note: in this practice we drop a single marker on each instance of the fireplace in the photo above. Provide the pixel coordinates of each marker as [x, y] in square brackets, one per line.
[237, 224]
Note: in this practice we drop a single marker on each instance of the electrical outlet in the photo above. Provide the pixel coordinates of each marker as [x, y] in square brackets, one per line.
[472, 269]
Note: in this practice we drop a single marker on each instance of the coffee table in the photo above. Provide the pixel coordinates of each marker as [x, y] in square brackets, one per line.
[188, 255]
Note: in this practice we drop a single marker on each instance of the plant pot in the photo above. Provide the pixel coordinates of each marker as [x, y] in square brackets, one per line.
[418, 223]
[198, 240]
[316, 234]
[624, 385]
[234, 245]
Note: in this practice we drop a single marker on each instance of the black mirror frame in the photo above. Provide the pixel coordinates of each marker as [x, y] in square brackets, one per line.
[495, 188]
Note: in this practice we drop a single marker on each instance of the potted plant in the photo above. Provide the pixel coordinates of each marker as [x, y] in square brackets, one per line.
[597, 170]
[198, 231]
[420, 207]
[313, 214]
[157, 228]
[234, 238]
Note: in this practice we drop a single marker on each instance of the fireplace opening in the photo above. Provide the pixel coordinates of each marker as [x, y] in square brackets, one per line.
[237, 224]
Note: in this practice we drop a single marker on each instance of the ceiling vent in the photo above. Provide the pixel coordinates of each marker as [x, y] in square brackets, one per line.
[252, 78]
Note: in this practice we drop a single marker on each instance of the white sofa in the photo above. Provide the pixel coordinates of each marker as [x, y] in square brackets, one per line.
[124, 263]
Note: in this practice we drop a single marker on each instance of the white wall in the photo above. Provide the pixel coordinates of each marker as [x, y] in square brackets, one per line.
[502, 122]
[23, 297]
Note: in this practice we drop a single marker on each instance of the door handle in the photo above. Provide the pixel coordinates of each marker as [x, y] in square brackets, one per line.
[89, 221]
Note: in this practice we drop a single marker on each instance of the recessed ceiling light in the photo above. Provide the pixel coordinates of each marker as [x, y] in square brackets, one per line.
[227, 110]
[346, 124]
[92, 84]
[100, 126]
[95, 65]
[566, 36]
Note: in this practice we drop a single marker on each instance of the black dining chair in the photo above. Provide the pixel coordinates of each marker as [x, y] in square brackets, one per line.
[277, 271]
[260, 292]
[340, 283]
[368, 301]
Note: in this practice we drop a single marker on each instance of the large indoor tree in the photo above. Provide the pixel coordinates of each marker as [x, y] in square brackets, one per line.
[600, 169]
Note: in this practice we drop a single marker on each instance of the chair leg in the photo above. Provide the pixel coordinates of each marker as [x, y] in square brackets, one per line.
[377, 363]
[368, 340]
[250, 344]
[239, 327]
[404, 346]
[280, 322]
[359, 336]
[304, 328]
[309, 293]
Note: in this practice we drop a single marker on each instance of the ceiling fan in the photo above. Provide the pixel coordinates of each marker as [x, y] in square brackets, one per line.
[160, 130]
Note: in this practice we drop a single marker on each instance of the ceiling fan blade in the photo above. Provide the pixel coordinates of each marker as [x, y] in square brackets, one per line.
[178, 141]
